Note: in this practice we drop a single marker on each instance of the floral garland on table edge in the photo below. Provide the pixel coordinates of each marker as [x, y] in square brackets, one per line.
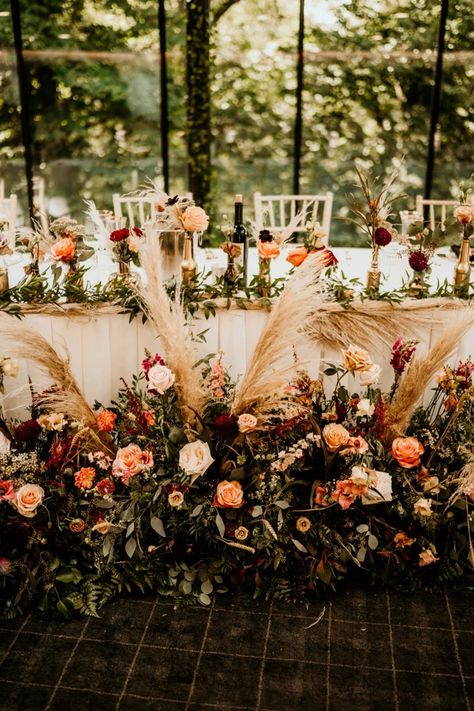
[286, 507]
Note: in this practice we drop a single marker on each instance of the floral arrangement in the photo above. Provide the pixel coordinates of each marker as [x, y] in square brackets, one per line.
[180, 213]
[315, 241]
[286, 504]
[125, 244]
[67, 243]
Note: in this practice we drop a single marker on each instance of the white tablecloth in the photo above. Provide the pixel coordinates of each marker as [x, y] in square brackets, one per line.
[104, 346]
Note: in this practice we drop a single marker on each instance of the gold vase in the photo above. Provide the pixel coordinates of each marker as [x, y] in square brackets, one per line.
[188, 265]
[4, 284]
[264, 273]
[373, 275]
[418, 288]
[462, 272]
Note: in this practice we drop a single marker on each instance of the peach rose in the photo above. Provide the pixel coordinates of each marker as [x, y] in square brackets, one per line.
[303, 524]
[175, 498]
[229, 495]
[407, 451]
[194, 219]
[335, 436]
[422, 507]
[426, 557]
[102, 527]
[356, 359]
[268, 250]
[247, 422]
[27, 499]
[401, 540]
[63, 250]
[106, 420]
[130, 461]
[297, 256]
[84, 478]
[464, 214]
[241, 533]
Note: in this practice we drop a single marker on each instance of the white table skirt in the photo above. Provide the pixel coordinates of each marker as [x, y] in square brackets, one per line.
[105, 346]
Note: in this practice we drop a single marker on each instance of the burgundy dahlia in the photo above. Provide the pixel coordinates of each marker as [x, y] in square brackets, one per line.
[382, 236]
[225, 424]
[28, 431]
[418, 261]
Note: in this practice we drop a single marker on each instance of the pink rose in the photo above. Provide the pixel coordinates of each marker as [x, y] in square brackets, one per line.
[7, 492]
[247, 422]
[194, 219]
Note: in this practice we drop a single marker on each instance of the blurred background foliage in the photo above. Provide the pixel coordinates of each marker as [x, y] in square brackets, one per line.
[369, 66]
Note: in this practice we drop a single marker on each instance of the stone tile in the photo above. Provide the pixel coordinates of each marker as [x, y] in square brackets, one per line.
[39, 659]
[360, 605]
[436, 693]
[16, 697]
[183, 627]
[162, 673]
[293, 685]
[424, 650]
[224, 680]
[237, 632]
[99, 666]
[369, 644]
[419, 609]
[361, 689]
[73, 699]
[121, 621]
[289, 639]
[132, 703]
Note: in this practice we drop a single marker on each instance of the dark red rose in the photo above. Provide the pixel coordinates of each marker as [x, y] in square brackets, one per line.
[382, 236]
[418, 261]
[119, 235]
[28, 431]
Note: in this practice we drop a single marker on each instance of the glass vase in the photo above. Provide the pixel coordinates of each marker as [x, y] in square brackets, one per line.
[462, 272]
[265, 279]
[373, 275]
[172, 244]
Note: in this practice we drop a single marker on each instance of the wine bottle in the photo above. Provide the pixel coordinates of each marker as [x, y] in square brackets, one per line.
[240, 238]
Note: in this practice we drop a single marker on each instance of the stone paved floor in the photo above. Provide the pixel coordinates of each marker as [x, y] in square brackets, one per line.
[364, 650]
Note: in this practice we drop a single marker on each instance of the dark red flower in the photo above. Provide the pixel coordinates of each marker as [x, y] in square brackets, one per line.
[137, 231]
[28, 431]
[230, 530]
[418, 261]
[402, 353]
[105, 486]
[119, 235]
[150, 361]
[57, 454]
[265, 236]
[225, 424]
[464, 374]
[382, 236]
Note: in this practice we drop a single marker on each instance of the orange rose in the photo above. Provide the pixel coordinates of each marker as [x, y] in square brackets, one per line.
[194, 219]
[268, 250]
[106, 420]
[63, 250]
[407, 451]
[229, 495]
[297, 256]
[335, 436]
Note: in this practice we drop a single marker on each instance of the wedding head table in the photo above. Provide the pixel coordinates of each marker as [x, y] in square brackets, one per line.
[104, 345]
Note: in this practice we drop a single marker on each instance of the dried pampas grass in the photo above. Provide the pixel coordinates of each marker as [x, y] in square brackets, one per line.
[67, 399]
[421, 372]
[169, 319]
[371, 324]
[261, 390]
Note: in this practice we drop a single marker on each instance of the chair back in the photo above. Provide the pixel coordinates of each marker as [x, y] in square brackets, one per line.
[438, 211]
[137, 208]
[8, 212]
[278, 211]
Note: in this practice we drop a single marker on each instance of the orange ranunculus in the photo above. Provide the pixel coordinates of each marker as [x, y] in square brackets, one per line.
[229, 495]
[84, 478]
[297, 256]
[106, 420]
[63, 250]
[335, 436]
[268, 250]
[407, 451]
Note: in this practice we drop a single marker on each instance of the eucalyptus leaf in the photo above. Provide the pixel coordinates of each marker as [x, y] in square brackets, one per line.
[157, 525]
[130, 547]
[220, 525]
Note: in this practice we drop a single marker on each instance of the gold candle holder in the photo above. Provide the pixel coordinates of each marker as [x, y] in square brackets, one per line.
[373, 275]
[462, 272]
[188, 265]
[4, 284]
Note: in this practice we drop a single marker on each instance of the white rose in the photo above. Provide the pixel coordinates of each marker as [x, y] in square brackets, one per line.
[371, 376]
[359, 476]
[4, 444]
[364, 407]
[195, 458]
[160, 378]
[10, 367]
[384, 489]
